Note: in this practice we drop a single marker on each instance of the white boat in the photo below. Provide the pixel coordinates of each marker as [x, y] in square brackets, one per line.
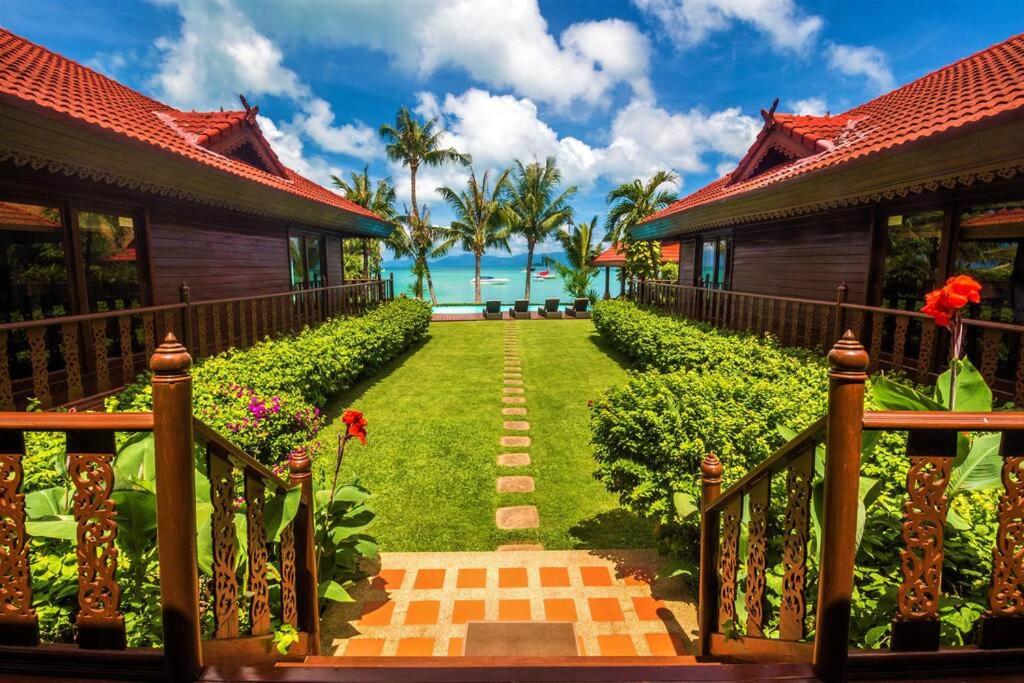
[489, 280]
[544, 275]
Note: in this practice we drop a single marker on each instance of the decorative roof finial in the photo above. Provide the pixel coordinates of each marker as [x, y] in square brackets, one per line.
[769, 115]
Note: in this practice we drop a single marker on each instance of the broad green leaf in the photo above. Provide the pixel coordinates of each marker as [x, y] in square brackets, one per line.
[890, 395]
[204, 546]
[135, 465]
[685, 505]
[972, 394]
[981, 469]
[49, 502]
[367, 548]
[956, 521]
[332, 590]
[678, 567]
[280, 511]
[61, 527]
[136, 521]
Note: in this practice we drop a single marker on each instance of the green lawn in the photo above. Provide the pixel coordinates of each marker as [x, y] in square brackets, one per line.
[435, 422]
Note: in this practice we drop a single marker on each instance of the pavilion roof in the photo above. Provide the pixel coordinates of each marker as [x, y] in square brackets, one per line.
[615, 258]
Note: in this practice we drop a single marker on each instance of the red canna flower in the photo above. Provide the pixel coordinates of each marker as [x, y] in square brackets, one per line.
[942, 304]
[965, 286]
[356, 425]
[937, 305]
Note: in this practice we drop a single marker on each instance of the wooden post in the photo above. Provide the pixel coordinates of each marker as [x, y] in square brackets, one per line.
[707, 602]
[306, 582]
[176, 508]
[366, 258]
[607, 282]
[391, 286]
[840, 322]
[848, 362]
[185, 296]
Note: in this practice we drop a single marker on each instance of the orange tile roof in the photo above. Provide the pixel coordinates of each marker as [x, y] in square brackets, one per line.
[25, 216]
[613, 256]
[32, 75]
[979, 87]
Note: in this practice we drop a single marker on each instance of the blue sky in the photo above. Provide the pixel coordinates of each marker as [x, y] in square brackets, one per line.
[614, 89]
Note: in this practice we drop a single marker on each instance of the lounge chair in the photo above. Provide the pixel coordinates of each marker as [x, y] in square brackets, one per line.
[521, 309]
[492, 310]
[550, 309]
[578, 308]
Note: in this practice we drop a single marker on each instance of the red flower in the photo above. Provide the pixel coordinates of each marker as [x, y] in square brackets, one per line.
[965, 286]
[356, 425]
[937, 305]
[942, 304]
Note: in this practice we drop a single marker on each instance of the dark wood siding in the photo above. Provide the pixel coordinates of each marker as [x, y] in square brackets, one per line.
[217, 261]
[333, 261]
[806, 257]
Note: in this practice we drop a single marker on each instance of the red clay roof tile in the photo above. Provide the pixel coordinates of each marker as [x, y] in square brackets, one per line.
[613, 257]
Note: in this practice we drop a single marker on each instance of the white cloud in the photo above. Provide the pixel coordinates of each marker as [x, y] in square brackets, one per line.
[866, 60]
[691, 22]
[811, 106]
[355, 139]
[289, 149]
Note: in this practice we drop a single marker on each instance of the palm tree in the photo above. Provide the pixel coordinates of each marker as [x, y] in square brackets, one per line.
[415, 144]
[578, 243]
[535, 207]
[631, 203]
[417, 238]
[479, 223]
[379, 199]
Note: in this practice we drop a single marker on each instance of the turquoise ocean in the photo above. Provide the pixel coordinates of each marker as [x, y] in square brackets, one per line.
[455, 285]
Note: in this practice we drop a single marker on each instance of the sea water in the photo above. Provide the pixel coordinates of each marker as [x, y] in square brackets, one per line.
[455, 285]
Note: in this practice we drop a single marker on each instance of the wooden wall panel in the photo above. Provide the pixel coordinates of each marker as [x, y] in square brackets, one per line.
[686, 248]
[806, 256]
[333, 261]
[217, 261]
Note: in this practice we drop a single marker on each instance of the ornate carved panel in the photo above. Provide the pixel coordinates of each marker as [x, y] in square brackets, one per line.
[243, 325]
[215, 316]
[6, 390]
[225, 547]
[809, 326]
[72, 359]
[899, 342]
[259, 608]
[990, 343]
[149, 334]
[99, 351]
[38, 356]
[15, 580]
[794, 324]
[230, 312]
[289, 599]
[124, 327]
[728, 563]
[253, 322]
[796, 534]
[924, 519]
[91, 470]
[201, 327]
[877, 319]
[926, 356]
[757, 556]
[1006, 595]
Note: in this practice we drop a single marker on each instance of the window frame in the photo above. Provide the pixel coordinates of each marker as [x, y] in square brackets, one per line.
[698, 262]
[304, 236]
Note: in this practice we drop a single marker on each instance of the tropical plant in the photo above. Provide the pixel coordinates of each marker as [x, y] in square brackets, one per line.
[479, 220]
[578, 274]
[415, 143]
[379, 199]
[536, 208]
[630, 204]
[415, 237]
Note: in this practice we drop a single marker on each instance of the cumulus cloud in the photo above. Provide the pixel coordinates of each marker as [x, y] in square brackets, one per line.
[811, 106]
[290, 150]
[355, 139]
[866, 60]
[690, 22]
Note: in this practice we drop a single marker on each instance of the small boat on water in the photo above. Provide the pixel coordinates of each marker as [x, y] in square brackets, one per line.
[544, 275]
[489, 280]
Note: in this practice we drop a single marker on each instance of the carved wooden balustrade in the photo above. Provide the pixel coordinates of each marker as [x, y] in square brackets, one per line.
[100, 648]
[65, 360]
[896, 338]
[914, 637]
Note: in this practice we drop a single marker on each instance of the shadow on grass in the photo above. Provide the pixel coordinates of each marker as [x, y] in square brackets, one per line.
[607, 349]
[613, 529]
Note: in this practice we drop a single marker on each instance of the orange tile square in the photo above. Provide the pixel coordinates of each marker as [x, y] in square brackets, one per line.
[647, 608]
[472, 578]
[665, 644]
[377, 613]
[514, 610]
[512, 577]
[422, 612]
[596, 576]
[467, 610]
[559, 609]
[388, 579]
[638, 576]
[364, 647]
[605, 609]
[616, 646]
[415, 647]
[456, 647]
[429, 578]
[554, 577]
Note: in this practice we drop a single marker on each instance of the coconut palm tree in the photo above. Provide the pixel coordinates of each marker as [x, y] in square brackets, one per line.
[536, 208]
[418, 239]
[578, 243]
[479, 220]
[416, 143]
[379, 199]
[631, 203]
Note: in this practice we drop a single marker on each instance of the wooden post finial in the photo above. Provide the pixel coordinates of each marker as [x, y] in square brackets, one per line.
[848, 358]
[299, 465]
[711, 469]
[170, 358]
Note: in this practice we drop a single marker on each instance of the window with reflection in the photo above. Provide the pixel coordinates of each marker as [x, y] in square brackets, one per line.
[295, 261]
[110, 261]
[912, 258]
[34, 279]
[314, 272]
[989, 250]
[714, 262]
[305, 257]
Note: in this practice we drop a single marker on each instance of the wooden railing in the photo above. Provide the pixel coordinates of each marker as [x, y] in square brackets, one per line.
[931, 449]
[905, 340]
[100, 648]
[65, 360]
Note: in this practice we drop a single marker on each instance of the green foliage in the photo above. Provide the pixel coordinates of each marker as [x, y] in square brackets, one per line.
[341, 539]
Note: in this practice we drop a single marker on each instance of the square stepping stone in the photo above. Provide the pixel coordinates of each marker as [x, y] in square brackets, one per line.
[514, 459]
[515, 441]
[513, 382]
[518, 547]
[514, 390]
[516, 426]
[513, 399]
[517, 517]
[513, 411]
[515, 485]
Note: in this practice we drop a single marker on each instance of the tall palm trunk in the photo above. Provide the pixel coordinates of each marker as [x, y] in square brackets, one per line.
[529, 266]
[476, 289]
[430, 283]
[412, 183]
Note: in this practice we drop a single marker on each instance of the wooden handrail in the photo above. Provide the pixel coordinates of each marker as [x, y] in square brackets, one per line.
[62, 422]
[87, 317]
[902, 420]
[292, 292]
[208, 434]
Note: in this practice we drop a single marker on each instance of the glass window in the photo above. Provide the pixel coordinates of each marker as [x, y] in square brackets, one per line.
[722, 263]
[707, 263]
[110, 261]
[313, 267]
[34, 281]
[714, 262]
[298, 269]
[912, 259]
[989, 249]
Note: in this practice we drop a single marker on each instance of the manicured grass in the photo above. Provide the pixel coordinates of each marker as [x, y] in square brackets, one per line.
[434, 427]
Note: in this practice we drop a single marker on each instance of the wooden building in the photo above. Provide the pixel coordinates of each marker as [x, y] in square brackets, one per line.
[890, 197]
[110, 199]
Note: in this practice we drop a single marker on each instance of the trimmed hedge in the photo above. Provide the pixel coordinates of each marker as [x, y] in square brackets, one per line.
[266, 398]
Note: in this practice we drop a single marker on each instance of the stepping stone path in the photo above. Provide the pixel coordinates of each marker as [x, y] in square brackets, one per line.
[513, 392]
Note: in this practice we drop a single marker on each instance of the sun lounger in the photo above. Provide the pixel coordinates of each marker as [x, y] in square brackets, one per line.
[550, 309]
[521, 309]
[579, 308]
[492, 310]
